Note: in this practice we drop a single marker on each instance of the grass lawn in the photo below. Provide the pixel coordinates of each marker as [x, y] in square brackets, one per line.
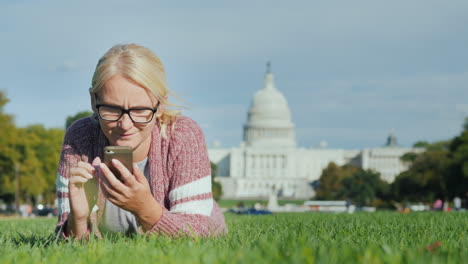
[382, 237]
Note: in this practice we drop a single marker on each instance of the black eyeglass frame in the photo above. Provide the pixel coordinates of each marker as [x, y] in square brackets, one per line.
[127, 111]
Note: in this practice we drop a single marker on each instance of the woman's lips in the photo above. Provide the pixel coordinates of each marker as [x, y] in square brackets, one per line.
[126, 135]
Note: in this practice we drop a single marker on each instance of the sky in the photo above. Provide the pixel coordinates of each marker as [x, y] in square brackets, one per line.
[352, 71]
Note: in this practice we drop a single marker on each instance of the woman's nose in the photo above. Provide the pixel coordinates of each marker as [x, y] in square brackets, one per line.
[125, 122]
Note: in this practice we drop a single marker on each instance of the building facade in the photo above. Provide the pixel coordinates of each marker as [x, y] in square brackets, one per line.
[268, 160]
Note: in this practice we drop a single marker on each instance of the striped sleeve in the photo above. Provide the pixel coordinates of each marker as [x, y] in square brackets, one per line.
[66, 158]
[193, 198]
[192, 209]
[69, 157]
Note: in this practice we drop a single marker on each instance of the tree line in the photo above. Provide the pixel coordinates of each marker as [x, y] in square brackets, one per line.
[440, 172]
[29, 154]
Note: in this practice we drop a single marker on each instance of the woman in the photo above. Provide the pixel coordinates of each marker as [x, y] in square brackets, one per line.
[170, 188]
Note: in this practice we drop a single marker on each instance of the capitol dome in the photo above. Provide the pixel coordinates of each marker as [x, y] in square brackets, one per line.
[269, 118]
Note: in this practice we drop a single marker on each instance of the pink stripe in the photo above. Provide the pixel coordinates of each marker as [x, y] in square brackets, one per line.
[62, 195]
[202, 196]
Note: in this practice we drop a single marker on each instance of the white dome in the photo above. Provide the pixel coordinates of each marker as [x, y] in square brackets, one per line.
[269, 118]
[269, 107]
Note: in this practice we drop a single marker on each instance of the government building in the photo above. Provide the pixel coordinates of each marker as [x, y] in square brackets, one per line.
[269, 160]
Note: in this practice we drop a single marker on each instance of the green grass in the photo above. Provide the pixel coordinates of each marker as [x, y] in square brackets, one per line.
[383, 237]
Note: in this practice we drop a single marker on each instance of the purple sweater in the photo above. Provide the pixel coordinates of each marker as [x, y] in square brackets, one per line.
[180, 177]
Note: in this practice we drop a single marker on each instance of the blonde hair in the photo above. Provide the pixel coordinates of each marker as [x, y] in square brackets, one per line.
[141, 66]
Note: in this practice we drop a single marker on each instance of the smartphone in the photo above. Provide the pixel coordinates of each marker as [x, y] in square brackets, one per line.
[123, 154]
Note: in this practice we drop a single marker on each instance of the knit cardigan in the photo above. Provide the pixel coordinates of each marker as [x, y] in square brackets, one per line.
[180, 177]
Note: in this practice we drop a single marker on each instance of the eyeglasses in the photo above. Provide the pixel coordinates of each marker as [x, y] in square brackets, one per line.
[140, 115]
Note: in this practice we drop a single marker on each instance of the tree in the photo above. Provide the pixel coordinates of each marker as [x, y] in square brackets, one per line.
[79, 115]
[36, 153]
[7, 151]
[35, 150]
[363, 187]
[409, 157]
[439, 172]
[425, 179]
[46, 145]
[421, 144]
[331, 181]
[217, 188]
[457, 168]
[31, 179]
[438, 145]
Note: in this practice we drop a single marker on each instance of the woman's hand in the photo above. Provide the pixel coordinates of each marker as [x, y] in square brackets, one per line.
[82, 191]
[134, 195]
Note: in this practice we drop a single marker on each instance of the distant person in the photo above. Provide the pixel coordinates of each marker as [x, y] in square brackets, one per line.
[457, 203]
[446, 207]
[29, 209]
[169, 191]
[23, 211]
[438, 204]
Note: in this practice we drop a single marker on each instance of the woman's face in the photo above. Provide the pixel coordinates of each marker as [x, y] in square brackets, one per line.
[119, 91]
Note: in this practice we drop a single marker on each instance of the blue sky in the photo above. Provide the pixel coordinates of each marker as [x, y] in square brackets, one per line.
[352, 71]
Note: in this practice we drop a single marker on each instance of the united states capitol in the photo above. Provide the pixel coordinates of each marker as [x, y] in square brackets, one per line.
[269, 160]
